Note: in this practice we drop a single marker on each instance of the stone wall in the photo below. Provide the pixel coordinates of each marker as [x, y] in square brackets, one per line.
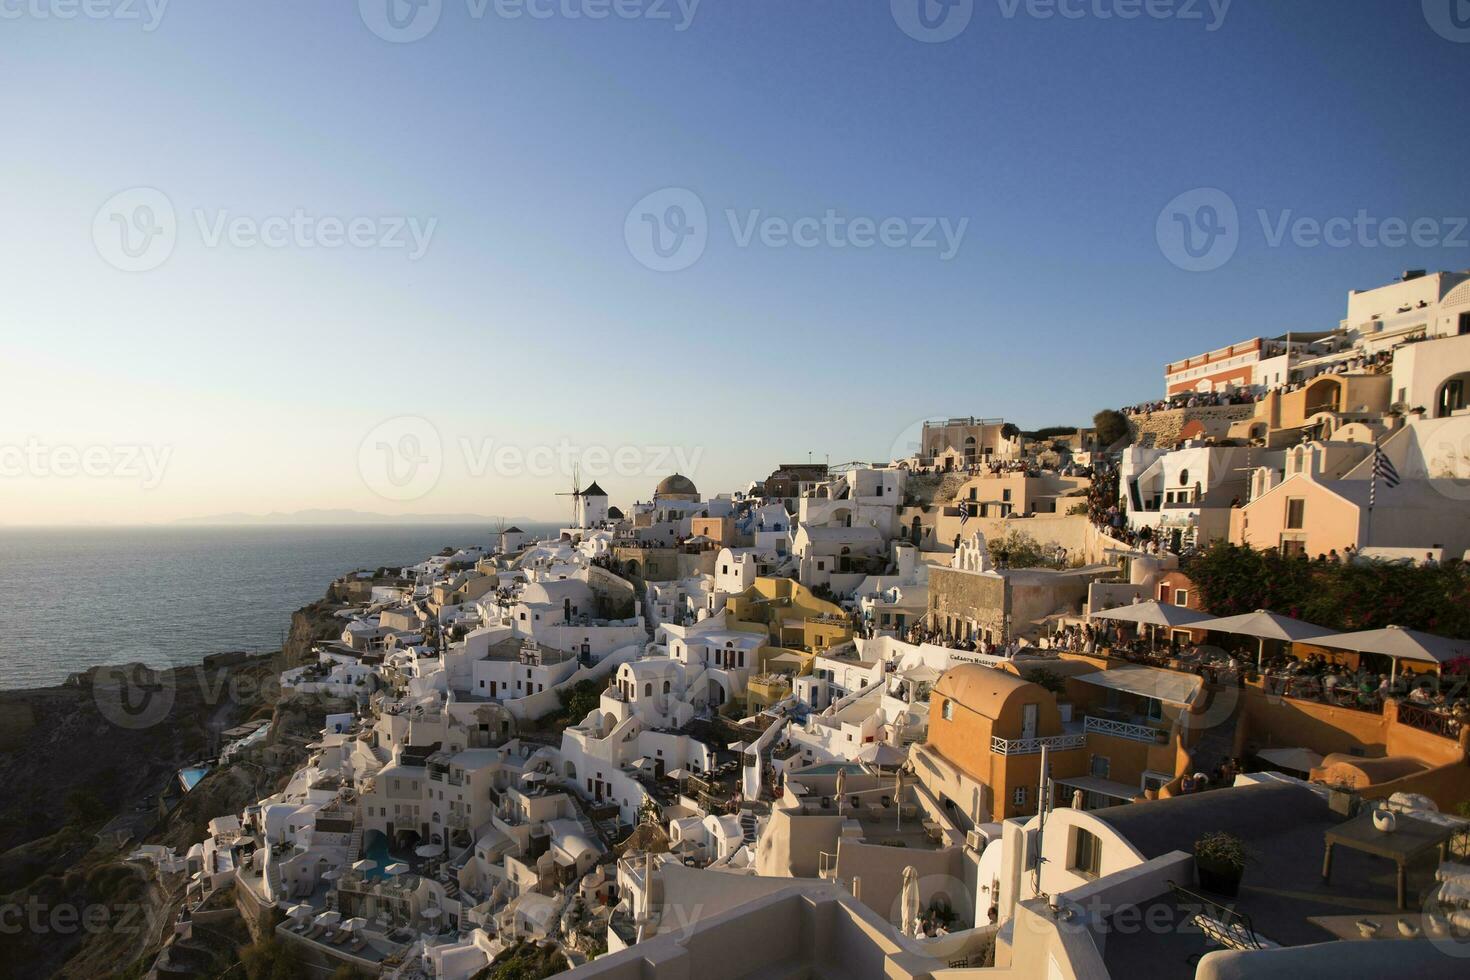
[1163, 429]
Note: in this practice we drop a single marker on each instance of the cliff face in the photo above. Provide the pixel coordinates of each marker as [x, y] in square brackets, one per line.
[312, 624]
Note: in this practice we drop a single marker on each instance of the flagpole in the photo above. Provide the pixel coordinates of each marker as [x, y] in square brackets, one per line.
[1372, 496]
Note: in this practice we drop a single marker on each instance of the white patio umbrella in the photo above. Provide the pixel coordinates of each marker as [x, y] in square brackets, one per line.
[302, 911]
[355, 924]
[433, 912]
[1398, 644]
[331, 874]
[1264, 625]
[1153, 614]
[366, 864]
[908, 905]
[329, 919]
[881, 754]
[429, 850]
[396, 868]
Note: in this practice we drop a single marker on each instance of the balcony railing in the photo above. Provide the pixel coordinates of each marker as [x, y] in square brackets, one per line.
[1031, 746]
[1429, 720]
[1121, 729]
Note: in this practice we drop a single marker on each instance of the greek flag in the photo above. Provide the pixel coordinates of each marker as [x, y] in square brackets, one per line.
[1383, 467]
[964, 511]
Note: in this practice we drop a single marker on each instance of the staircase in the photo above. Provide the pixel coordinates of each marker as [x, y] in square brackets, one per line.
[1216, 744]
[749, 826]
[354, 844]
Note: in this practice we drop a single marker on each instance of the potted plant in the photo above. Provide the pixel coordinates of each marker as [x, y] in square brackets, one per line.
[1220, 860]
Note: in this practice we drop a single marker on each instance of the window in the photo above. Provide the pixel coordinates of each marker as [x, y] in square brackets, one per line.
[1086, 853]
[1296, 513]
[1181, 597]
[948, 710]
[1005, 495]
[1018, 796]
[1464, 323]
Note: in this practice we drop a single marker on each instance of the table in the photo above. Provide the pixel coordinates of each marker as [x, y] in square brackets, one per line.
[1410, 838]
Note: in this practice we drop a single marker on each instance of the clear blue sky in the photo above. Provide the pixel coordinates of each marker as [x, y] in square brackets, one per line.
[528, 321]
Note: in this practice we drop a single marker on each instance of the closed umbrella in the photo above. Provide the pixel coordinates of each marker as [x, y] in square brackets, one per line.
[841, 788]
[908, 906]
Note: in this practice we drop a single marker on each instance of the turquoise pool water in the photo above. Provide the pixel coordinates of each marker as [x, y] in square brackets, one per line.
[375, 848]
[190, 776]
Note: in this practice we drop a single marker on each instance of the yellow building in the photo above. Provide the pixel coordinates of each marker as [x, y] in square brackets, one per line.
[798, 625]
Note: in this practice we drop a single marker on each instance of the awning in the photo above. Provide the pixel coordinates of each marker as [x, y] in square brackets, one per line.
[1266, 625]
[1399, 643]
[1096, 784]
[1153, 613]
[1147, 682]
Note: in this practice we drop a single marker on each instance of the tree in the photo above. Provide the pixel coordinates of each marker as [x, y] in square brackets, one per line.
[580, 699]
[1111, 426]
[270, 959]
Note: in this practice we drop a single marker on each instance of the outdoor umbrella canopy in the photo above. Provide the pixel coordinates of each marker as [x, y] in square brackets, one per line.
[302, 911]
[366, 864]
[1264, 625]
[396, 868]
[1154, 613]
[880, 754]
[329, 919]
[356, 924]
[1401, 644]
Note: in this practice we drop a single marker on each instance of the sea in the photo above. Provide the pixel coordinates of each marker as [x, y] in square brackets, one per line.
[71, 598]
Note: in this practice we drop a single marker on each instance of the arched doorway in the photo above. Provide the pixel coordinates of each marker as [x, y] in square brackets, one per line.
[1452, 395]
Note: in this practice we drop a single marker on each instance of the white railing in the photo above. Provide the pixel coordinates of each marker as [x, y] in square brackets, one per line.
[1120, 729]
[1031, 746]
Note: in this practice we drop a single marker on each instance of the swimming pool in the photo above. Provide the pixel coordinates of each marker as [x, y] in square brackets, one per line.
[190, 775]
